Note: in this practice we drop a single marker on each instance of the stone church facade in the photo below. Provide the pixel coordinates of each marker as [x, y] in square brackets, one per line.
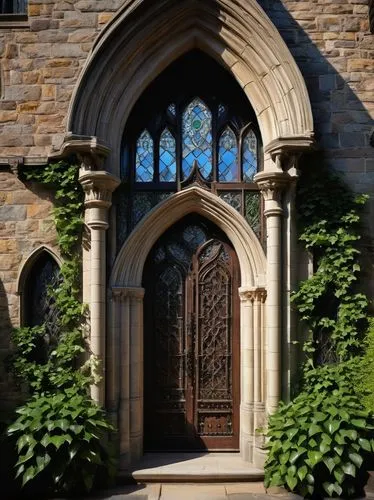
[284, 79]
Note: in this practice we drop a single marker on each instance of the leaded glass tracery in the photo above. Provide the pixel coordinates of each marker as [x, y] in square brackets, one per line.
[228, 157]
[144, 164]
[197, 138]
[249, 156]
[167, 157]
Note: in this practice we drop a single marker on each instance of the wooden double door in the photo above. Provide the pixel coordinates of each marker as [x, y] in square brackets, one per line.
[191, 324]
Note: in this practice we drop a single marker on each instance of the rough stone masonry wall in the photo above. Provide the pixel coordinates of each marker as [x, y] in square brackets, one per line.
[40, 65]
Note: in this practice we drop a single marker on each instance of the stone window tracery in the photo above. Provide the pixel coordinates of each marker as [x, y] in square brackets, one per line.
[185, 130]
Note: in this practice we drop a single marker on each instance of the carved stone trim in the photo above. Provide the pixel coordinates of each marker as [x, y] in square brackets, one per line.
[252, 294]
[98, 187]
[271, 184]
[89, 149]
[290, 145]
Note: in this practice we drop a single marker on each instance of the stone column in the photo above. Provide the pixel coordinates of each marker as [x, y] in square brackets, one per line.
[126, 372]
[290, 269]
[252, 344]
[271, 185]
[98, 187]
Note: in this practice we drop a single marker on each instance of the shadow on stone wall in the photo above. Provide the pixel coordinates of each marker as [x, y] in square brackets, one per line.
[9, 400]
[335, 53]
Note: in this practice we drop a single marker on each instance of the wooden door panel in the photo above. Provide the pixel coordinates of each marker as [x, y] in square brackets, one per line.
[191, 321]
[215, 397]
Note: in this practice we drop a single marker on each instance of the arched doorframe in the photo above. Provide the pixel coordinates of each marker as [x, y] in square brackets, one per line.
[124, 373]
[141, 41]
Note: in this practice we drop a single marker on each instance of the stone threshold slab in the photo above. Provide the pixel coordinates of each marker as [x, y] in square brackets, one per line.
[194, 467]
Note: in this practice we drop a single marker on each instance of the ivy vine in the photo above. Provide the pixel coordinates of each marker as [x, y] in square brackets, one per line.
[329, 301]
[321, 442]
[61, 436]
[60, 368]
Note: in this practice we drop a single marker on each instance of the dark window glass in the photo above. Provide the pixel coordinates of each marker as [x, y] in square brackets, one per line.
[13, 6]
[39, 306]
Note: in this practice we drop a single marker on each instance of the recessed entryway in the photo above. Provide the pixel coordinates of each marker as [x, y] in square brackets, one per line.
[191, 340]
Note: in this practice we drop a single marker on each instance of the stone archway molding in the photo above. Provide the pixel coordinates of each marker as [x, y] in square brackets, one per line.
[124, 373]
[145, 37]
[128, 268]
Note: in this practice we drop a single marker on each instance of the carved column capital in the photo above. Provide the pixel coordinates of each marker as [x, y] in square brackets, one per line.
[271, 185]
[252, 294]
[98, 187]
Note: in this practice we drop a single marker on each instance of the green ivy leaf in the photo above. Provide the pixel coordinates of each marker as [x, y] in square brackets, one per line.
[349, 469]
[365, 444]
[314, 429]
[329, 462]
[356, 459]
[315, 457]
[302, 472]
[291, 482]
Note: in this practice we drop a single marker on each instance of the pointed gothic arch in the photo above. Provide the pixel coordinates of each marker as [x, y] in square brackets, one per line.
[128, 267]
[238, 35]
[124, 371]
[42, 253]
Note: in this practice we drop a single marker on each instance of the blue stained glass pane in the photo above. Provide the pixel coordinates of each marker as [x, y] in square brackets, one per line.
[197, 138]
[172, 109]
[144, 168]
[221, 110]
[249, 156]
[227, 157]
[167, 164]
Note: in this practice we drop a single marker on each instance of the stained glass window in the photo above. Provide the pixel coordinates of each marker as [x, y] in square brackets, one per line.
[221, 110]
[249, 156]
[167, 163]
[172, 109]
[197, 138]
[233, 198]
[144, 168]
[228, 157]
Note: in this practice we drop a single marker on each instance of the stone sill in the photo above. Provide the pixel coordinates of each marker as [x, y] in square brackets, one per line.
[14, 21]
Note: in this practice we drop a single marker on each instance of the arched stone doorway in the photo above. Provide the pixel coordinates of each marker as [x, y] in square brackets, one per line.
[191, 340]
[125, 367]
[239, 36]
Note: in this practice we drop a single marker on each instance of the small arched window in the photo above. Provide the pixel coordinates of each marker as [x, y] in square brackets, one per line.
[167, 157]
[38, 305]
[197, 141]
[144, 163]
[228, 157]
[187, 129]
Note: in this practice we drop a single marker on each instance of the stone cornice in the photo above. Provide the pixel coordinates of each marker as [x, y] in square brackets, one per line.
[290, 145]
[90, 150]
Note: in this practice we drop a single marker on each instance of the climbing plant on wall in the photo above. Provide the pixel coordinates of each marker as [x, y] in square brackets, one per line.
[318, 443]
[61, 435]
